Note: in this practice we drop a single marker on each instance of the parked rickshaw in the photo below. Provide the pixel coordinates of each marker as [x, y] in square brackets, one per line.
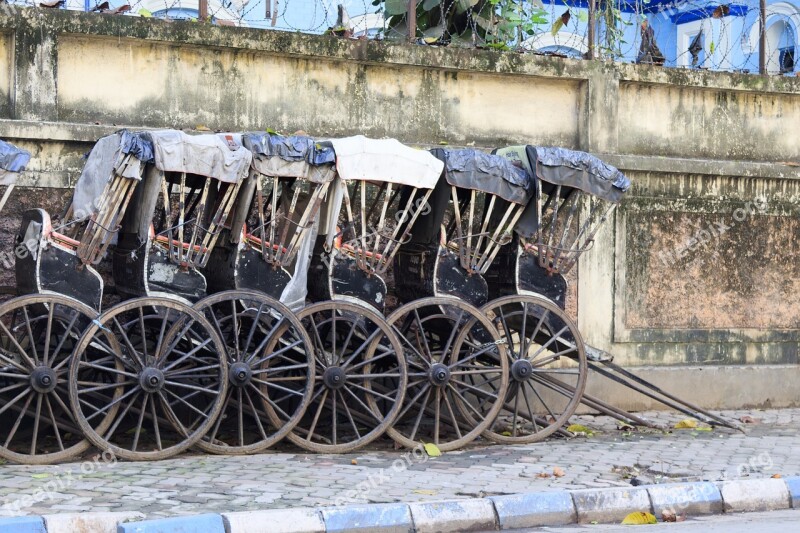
[326, 292]
[361, 368]
[574, 194]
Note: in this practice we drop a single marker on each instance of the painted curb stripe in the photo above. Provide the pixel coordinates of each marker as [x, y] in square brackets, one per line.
[204, 523]
[384, 518]
[533, 509]
[22, 524]
[793, 484]
[686, 498]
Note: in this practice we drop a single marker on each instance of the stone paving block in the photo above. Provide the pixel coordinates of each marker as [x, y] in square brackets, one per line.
[22, 524]
[609, 505]
[94, 522]
[534, 510]
[793, 484]
[686, 498]
[299, 520]
[201, 523]
[754, 495]
[378, 518]
[454, 515]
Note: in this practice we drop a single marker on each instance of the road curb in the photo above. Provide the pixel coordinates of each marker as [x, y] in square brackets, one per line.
[755, 495]
[692, 499]
[202, 523]
[380, 518]
[297, 520]
[515, 511]
[793, 484]
[88, 522]
[609, 505]
[536, 509]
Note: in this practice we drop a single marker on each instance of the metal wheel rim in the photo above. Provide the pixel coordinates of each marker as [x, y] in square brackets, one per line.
[445, 404]
[524, 392]
[132, 376]
[50, 406]
[383, 418]
[253, 395]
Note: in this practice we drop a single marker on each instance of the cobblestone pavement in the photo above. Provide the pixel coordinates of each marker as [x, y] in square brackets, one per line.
[286, 477]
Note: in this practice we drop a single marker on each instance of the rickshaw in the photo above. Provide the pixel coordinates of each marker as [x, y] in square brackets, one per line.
[35, 346]
[575, 193]
[62, 259]
[257, 275]
[361, 370]
[147, 378]
[458, 368]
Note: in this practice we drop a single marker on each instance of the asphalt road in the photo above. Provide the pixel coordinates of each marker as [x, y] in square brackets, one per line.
[776, 521]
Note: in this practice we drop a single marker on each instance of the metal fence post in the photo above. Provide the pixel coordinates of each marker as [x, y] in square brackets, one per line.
[590, 33]
[762, 38]
[411, 20]
[203, 9]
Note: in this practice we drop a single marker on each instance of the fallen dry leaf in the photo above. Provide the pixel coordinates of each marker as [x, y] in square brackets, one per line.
[353, 462]
[559, 472]
[776, 476]
[639, 518]
[687, 423]
[543, 475]
[747, 419]
[432, 450]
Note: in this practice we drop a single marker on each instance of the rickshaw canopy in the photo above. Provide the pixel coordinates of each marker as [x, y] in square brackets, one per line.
[12, 161]
[571, 168]
[492, 174]
[204, 155]
[291, 157]
[385, 160]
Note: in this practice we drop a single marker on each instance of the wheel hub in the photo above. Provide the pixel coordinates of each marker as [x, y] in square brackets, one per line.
[439, 374]
[240, 374]
[43, 379]
[151, 379]
[334, 377]
[521, 369]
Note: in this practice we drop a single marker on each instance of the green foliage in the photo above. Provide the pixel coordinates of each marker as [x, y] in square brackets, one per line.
[495, 24]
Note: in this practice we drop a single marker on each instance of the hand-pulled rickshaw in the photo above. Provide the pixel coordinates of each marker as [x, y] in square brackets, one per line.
[322, 291]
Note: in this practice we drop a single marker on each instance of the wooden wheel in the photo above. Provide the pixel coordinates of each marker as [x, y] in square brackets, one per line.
[148, 378]
[455, 357]
[37, 336]
[548, 368]
[360, 378]
[270, 371]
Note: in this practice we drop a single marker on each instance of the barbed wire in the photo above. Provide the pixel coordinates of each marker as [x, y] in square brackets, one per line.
[681, 33]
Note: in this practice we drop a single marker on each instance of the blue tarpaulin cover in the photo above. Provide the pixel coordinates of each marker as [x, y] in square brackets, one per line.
[13, 159]
[594, 177]
[473, 169]
[294, 148]
[137, 143]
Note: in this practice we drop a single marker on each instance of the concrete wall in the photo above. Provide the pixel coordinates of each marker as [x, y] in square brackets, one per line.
[698, 266]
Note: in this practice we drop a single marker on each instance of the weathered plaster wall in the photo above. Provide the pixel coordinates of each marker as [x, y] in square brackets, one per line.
[698, 146]
[159, 83]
